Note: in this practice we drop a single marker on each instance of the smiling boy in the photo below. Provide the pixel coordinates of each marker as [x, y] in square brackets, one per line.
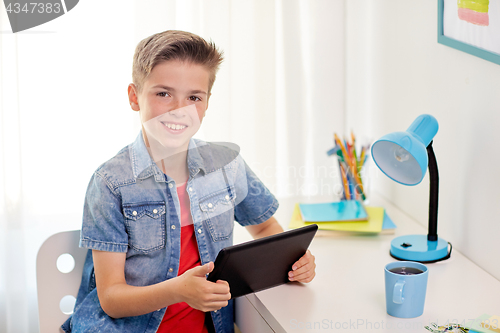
[157, 213]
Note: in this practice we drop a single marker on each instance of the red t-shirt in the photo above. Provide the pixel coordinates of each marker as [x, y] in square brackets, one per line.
[180, 317]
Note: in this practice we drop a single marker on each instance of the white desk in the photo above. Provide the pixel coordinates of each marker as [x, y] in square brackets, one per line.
[347, 294]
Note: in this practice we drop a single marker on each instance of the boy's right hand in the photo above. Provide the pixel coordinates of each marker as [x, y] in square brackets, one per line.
[201, 294]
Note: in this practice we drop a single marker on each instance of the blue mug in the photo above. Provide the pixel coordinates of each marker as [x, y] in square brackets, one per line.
[405, 288]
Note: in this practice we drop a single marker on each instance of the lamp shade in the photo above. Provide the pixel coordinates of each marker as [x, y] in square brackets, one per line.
[402, 156]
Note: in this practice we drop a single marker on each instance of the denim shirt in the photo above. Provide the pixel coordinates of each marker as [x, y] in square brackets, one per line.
[131, 206]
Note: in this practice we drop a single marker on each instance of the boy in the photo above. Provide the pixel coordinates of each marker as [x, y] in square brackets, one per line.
[157, 213]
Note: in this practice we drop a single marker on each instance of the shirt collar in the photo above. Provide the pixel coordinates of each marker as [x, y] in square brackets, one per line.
[209, 157]
[143, 165]
[194, 159]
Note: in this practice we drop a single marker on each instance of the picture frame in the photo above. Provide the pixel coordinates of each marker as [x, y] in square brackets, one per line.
[480, 52]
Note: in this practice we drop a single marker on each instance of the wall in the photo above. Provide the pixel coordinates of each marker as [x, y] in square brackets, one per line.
[396, 70]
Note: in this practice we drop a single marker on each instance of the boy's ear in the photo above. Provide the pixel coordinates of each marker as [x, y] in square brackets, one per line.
[132, 97]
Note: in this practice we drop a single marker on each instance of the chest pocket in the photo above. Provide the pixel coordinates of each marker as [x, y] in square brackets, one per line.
[145, 225]
[218, 213]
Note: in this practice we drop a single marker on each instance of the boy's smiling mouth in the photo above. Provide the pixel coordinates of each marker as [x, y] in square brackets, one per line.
[175, 127]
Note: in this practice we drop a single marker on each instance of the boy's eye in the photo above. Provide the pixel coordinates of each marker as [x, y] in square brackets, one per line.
[194, 98]
[162, 94]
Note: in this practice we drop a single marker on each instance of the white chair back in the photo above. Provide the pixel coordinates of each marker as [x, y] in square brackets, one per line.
[59, 266]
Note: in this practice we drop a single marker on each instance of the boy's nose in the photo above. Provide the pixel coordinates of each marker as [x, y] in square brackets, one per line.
[177, 105]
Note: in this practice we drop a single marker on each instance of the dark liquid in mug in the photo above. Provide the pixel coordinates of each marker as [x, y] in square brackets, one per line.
[406, 270]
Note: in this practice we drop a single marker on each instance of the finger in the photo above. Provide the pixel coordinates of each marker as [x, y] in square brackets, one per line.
[209, 266]
[214, 306]
[211, 298]
[215, 298]
[222, 287]
[301, 272]
[203, 270]
[305, 272]
[310, 267]
[307, 267]
[211, 306]
[224, 283]
[304, 266]
[305, 277]
[307, 257]
[220, 297]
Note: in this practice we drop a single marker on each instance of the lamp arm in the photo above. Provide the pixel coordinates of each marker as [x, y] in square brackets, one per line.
[433, 195]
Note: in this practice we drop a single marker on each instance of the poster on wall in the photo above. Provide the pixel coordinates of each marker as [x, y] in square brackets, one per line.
[472, 26]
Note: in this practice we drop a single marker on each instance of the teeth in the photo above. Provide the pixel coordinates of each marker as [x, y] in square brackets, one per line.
[175, 127]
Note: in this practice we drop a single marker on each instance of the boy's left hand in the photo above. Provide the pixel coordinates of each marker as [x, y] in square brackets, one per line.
[304, 269]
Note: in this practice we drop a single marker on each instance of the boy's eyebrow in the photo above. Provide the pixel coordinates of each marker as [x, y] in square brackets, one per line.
[172, 89]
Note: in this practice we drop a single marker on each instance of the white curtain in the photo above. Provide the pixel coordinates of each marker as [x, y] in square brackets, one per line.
[279, 95]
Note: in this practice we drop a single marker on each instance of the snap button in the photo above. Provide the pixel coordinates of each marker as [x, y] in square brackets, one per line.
[227, 197]
[209, 205]
[134, 213]
[155, 211]
[215, 311]
[170, 269]
[190, 189]
[170, 185]
[199, 231]
[173, 227]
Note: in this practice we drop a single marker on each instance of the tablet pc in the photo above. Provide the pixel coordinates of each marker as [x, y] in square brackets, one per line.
[262, 263]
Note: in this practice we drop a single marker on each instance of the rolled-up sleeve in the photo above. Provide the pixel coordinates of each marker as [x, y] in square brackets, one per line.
[258, 204]
[103, 226]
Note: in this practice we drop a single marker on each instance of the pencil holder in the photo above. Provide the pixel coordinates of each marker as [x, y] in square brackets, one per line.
[353, 183]
[353, 176]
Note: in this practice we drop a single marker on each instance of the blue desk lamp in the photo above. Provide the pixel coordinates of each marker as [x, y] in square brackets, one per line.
[404, 157]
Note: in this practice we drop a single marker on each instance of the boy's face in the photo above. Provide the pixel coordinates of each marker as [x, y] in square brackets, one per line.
[172, 103]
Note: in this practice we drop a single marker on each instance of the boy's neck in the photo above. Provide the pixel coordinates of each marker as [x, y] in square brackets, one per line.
[173, 162]
[175, 167]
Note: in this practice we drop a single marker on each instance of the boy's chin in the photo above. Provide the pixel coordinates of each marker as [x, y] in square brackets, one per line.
[175, 146]
[167, 148]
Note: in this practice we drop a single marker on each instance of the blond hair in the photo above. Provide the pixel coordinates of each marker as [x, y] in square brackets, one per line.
[174, 45]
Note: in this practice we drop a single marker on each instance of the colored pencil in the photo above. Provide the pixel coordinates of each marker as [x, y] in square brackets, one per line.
[350, 164]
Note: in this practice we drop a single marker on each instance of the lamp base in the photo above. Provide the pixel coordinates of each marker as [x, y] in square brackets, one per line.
[418, 248]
